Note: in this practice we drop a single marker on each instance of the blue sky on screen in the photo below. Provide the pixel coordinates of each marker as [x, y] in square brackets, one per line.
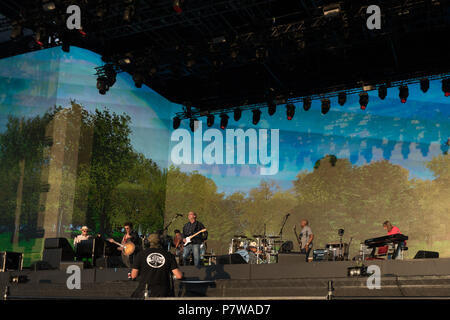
[405, 134]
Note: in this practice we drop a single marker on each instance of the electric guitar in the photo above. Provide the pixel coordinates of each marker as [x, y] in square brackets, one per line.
[189, 239]
[128, 248]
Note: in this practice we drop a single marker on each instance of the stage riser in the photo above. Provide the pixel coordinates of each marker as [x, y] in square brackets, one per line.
[414, 287]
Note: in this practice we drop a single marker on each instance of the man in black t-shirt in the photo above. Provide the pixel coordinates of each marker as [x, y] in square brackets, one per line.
[155, 267]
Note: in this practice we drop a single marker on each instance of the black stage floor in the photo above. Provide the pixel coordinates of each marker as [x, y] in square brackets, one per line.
[399, 278]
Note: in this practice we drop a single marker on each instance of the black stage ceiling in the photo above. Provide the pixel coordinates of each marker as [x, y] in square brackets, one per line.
[214, 54]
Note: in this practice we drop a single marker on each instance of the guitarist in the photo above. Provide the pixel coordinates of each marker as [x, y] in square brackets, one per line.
[129, 236]
[190, 228]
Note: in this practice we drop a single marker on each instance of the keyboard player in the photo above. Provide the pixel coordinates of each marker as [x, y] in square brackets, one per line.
[391, 229]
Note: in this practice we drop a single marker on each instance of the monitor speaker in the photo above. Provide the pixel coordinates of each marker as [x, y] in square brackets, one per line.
[11, 261]
[234, 258]
[422, 254]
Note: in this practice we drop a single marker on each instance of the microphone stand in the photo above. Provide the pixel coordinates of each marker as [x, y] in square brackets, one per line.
[282, 227]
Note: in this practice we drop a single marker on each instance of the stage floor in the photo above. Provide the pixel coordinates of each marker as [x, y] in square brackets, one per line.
[408, 278]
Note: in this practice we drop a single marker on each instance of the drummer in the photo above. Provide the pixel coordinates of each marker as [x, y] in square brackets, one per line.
[306, 238]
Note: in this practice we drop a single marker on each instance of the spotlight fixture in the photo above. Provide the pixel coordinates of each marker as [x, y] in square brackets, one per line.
[357, 271]
[110, 74]
[424, 85]
[193, 124]
[39, 36]
[237, 114]
[256, 116]
[128, 13]
[176, 123]
[125, 61]
[382, 92]
[332, 10]
[223, 121]
[17, 30]
[326, 105]
[363, 100]
[446, 87]
[342, 98]
[177, 6]
[306, 103]
[48, 5]
[403, 93]
[102, 85]
[290, 111]
[138, 79]
[272, 107]
[210, 120]
[65, 47]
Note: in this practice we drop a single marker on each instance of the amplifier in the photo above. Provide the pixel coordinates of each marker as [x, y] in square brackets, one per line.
[11, 261]
[320, 255]
[291, 258]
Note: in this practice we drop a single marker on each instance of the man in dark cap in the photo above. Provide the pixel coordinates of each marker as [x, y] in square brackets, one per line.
[155, 267]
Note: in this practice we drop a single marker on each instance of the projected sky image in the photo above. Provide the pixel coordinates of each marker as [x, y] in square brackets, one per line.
[408, 134]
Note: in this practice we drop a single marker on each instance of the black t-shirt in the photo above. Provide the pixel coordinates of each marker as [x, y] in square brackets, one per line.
[155, 266]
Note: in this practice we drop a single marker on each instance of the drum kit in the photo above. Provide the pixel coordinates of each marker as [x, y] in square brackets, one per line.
[262, 249]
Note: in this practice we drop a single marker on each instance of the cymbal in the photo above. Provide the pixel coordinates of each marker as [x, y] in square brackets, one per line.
[258, 236]
[239, 237]
[274, 237]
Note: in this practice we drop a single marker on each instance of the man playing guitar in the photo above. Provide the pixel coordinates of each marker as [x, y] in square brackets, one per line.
[194, 233]
[129, 236]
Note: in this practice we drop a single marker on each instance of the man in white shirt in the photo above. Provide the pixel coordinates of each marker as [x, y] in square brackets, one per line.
[83, 236]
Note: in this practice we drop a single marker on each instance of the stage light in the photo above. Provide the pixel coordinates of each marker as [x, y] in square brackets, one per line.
[290, 111]
[424, 85]
[357, 271]
[48, 5]
[176, 123]
[363, 100]
[125, 61]
[102, 85]
[332, 10]
[326, 105]
[306, 103]
[342, 98]
[39, 37]
[177, 6]
[256, 116]
[210, 120]
[224, 121]
[65, 47]
[110, 74]
[138, 79]
[446, 87]
[237, 114]
[272, 107]
[193, 124]
[17, 30]
[382, 92]
[403, 93]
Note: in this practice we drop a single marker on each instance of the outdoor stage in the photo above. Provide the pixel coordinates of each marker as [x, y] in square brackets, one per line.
[407, 278]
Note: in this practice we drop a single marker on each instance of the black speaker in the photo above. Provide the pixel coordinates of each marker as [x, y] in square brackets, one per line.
[56, 243]
[55, 256]
[234, 258]
[287, 247]
[11, 261]
[291, 258]
[422, 254]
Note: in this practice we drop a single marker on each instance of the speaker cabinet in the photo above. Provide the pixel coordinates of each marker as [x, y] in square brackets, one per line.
[11, 261]
[291, 258]
[234, 258]
[421, 254]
